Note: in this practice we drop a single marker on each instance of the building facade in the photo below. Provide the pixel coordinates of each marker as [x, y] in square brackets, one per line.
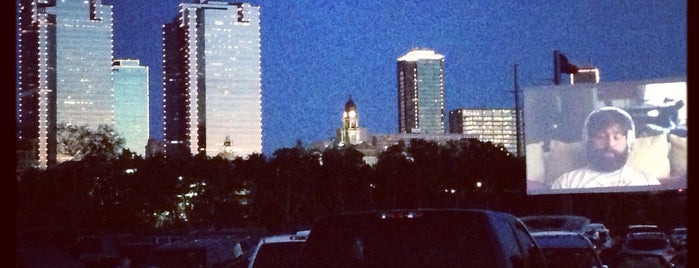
[131, 117]
[212, 79]
[64, 73]
[498, 126]
[421, 92]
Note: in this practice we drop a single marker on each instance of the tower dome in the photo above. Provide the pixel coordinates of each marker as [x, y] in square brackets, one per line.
[350, 106]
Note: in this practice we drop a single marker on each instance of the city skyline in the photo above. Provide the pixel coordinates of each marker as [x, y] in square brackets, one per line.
[315, 55]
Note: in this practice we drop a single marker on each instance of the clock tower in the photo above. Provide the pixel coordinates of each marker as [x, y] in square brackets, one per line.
[350, 133]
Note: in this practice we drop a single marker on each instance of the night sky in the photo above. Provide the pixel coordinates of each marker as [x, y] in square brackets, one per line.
[315, 54]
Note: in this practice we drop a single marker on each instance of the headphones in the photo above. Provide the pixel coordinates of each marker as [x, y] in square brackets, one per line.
[630, 133]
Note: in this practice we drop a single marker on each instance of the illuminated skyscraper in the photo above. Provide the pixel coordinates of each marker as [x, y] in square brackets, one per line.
[212, 80]
[498, 125]
[131, 117]
[64, 75]
[421, 92]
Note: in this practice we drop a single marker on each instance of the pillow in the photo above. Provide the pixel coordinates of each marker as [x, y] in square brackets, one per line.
[535, 162]
[563, 157]
[678, 155]
[650, 155]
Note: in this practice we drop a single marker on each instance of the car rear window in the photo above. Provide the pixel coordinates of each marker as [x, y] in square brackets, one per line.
[417, 241]
[646, 244]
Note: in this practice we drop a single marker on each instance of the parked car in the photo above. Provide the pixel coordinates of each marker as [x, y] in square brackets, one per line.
[678, 237]
[636, 228]
[648, 242]
[568, 249]
[278, 250]
[421, 238]
[572, 223]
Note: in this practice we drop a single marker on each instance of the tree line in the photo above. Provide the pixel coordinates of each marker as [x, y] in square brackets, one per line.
[110, 189]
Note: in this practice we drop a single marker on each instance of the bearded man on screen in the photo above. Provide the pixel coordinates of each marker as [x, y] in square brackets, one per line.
[607, 137]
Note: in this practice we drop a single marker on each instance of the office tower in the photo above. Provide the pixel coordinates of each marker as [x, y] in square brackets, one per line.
[421, 92]
[212, 80]
[64, 73]
[131, 119]
[498, 126]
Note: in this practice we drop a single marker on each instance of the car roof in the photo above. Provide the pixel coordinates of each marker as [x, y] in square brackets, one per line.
[647, 235]
[561, 239]
[355, 217]
[635, 226]
[285, 238]
[596, 225]
[562, 222]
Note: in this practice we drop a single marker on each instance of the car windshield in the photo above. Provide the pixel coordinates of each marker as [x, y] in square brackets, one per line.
[409, 242]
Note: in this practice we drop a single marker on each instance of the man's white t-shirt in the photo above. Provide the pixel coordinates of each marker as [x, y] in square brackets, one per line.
[588, 178]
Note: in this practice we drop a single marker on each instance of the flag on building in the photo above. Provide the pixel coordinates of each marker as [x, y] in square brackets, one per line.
[565, 66]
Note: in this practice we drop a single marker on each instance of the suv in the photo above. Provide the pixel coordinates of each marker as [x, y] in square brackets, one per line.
[648, 242]
[421, 238]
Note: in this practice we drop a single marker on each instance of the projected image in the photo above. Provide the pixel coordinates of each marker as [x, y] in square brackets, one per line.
[613, 137]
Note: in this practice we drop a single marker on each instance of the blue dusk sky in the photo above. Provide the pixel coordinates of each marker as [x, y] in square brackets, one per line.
[315, 54]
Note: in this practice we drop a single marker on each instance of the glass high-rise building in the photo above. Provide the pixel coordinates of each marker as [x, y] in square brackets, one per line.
[421, 92]
[212, 80]
[131, 118]
[64, 73]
